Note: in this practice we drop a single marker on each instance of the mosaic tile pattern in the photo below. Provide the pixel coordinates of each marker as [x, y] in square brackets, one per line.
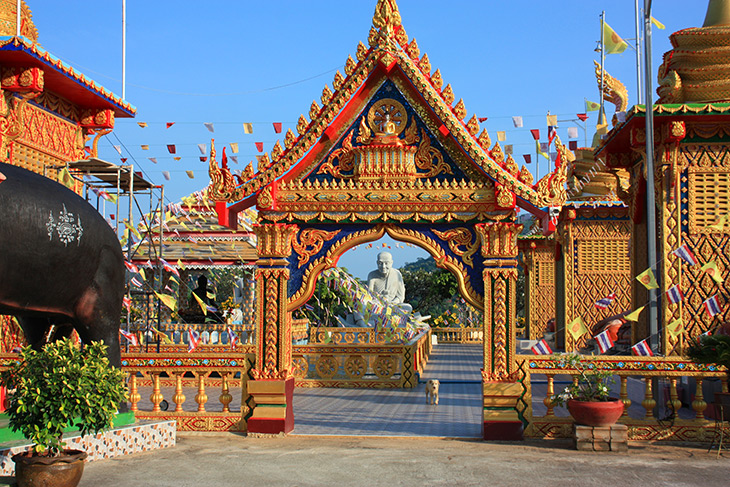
[120, 441]
[401, 412]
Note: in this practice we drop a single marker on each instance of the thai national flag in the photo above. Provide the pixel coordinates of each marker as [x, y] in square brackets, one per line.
[132, 268]
[166, 265]
[127, 302]
[675, 295]
[642, 349]
[135, 282]
[604, 341]
[193, 339]
[711, 305]
[684, 253]
[604, 303]
[233, 337]
[541, 348]
[131, 337]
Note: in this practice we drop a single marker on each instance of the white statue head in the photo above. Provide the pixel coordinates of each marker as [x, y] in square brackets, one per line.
[385, 263]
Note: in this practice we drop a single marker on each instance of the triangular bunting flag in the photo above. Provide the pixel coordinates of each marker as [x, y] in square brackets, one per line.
[647, 279]
[203, 148]
[169, 124]
[713, 271]
[675, 328]
[142, 124]
[517, 121]
[209, 126]
[577, 328]
[190, 174]
[247, 128]
[535, 133]
[277, 127]
[684, 253]
[642, 349]
[259, 146]
[634, 315]
[171, 148]
[528, 158]
[166, 175]
[234, 147]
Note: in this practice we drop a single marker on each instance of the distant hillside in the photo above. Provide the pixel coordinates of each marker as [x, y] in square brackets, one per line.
[428, 265]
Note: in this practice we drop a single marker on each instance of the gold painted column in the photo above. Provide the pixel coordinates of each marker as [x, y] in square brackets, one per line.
[501, 390]
[273, 384]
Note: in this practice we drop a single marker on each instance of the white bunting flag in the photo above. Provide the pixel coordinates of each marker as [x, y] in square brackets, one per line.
[203, 148]
[166, 175]
[517, 121]
[572, 132]
[209, 126]
[119, 149]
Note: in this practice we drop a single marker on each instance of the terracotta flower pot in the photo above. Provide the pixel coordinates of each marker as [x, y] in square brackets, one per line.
[62, 471]
[596, 413]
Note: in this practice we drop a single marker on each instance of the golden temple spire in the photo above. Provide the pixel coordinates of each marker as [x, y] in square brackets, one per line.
[718, 13]
[386, 17]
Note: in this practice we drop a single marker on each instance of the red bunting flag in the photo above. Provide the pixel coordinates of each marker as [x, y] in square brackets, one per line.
[169, 124]
[528, 158]
[153, 159]
[482, 119]
[572, 144]
[259, 146]
[277, 127]
[582, 116]
[203, 158]
[171, 148]
[123, 159]
[535, 134]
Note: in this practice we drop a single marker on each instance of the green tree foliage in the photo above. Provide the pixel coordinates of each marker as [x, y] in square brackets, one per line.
[428, 288]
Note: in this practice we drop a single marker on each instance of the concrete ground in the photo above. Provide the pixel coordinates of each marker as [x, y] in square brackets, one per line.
[207, 459]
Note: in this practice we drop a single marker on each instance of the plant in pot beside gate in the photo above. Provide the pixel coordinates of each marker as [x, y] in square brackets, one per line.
[713, 349]
[61, 386]
[587, 398]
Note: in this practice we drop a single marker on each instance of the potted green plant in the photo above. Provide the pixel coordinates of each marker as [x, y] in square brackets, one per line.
[61, 386]
[588, 399]
[713, 349]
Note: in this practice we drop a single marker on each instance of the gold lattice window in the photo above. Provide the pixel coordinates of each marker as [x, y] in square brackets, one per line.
[709, 193]
[545, 274]
[603, 256]
[35, 160]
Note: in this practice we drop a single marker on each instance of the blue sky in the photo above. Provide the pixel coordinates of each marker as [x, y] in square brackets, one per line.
[230, 62]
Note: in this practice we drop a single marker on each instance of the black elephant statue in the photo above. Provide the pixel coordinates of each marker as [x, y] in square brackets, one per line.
[60, 262]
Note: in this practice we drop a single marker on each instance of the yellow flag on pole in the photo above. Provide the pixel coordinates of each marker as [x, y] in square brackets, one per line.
[577, 328]
[675, 328]
[167, 300]
[713, 271]
[658, 24]
[539, 150]
[612, 42]
[65, 178]
[592, 106]
[634, 315]
[202, 304]
[647, 279]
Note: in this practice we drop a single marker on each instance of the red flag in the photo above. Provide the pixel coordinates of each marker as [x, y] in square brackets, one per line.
[528, 158]
[259, 146]
[582, 116]
[535, 134]
[482, 119]
[572, 144]
[551, 134]
[171, 148]
[124, 159]
[203, 158]
[277, 127]
[169, 124]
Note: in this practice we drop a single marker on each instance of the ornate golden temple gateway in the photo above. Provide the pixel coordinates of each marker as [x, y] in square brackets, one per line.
[386, 150]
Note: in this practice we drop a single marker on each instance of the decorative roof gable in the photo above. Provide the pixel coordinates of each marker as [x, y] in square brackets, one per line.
[389, 124]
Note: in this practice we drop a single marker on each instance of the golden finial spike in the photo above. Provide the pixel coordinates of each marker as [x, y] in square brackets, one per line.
[448, 95]
[289, 139]
[386, 17]
[326, 95]
[460, 109]
[350, 66]
[362, 51]
[302, 125]
[401, 36]
[413, 51]
[337, 82]
[473, 125]
[276, 151]
[313, 110]
[484, 140]
[437, 80]
[425, 64]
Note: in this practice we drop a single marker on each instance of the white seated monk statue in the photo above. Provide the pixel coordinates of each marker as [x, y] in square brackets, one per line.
[387, 282]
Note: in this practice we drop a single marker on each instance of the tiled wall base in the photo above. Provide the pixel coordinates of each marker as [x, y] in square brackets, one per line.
[110, 444]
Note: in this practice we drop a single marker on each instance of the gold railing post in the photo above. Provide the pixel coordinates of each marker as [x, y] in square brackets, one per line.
[625, 395]
[673, 403]
[226, 397]
[548, 401]
[648, 403]
[134, 396]
[156, 396]
[699, 405]
[178, 398]
[201, 397]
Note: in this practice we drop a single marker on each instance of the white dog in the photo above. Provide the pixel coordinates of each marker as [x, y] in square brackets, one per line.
[432, 391]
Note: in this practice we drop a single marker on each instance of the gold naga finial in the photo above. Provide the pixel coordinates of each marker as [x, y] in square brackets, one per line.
[386, 17]
[613, 90]
[222, 183]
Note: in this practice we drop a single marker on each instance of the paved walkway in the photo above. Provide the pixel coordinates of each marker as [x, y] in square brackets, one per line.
[401, 412]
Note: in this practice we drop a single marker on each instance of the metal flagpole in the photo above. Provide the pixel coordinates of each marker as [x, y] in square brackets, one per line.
[601, 114]
[653, 315]
[17, 19]
[124, 49]
[639, 94]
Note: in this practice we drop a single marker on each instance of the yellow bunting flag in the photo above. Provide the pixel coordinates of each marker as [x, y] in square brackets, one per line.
[501, 136]
[539, 150]
[612, 42]
[675, 328]
[167, 300]
[658, 24]
[142, 124]
[247, 128]
[163, 336]
[713, 271]
[577, 328]
[720, 225]
[552, 120]
[634, 315]
[234, 147]
[177, 158]
[190, 174]
[141, 273]
[201, 303]
[65, 178]
[210, 295]
[647, 279]
[133, 230]
[145, 147]
[180, 265]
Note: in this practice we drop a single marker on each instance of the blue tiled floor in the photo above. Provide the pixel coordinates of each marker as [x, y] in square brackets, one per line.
[401, 412]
